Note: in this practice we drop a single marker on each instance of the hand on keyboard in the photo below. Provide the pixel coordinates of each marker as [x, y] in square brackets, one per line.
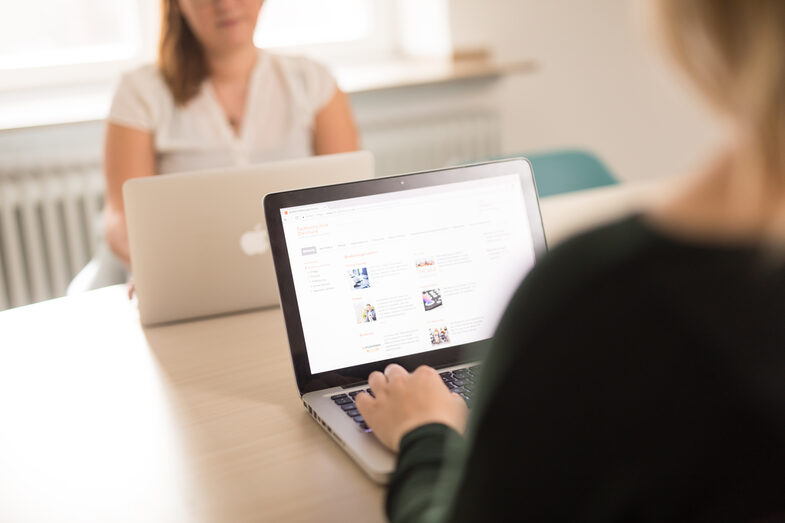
[404, 401]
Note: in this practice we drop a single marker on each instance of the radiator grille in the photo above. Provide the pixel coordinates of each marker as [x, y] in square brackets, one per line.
[48, 229]
[432, 142]
[49, 213]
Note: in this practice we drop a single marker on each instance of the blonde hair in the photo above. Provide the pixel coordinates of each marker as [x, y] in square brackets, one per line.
[181, 57]
[734, 51]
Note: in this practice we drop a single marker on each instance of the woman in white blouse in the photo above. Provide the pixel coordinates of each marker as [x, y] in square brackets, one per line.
[214, 100]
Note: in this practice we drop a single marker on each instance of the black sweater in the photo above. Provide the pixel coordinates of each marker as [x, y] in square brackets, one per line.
[633, 378]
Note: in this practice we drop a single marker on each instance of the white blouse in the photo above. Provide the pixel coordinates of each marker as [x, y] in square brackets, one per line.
[284, 95]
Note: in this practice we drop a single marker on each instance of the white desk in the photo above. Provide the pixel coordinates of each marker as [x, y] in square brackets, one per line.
[102, 420]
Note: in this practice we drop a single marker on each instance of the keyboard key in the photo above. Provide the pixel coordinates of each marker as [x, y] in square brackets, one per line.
[445, 374]
[461, 383]
[358, 419]
[343, 401]
[337, 396]
[352, 413]
[369, 391]
[364, 426]
[348, 406]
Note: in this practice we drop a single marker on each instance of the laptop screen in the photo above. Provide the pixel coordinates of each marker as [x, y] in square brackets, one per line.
[400, 273]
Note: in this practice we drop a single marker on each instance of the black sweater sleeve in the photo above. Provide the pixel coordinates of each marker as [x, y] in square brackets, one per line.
[421, 461]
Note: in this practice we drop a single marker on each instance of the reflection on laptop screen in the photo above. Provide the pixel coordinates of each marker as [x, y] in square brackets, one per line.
[394, 274]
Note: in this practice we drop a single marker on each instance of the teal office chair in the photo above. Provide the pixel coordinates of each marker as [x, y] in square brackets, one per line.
[563, 171]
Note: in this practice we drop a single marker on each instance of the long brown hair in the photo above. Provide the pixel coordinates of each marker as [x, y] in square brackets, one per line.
[181, 57]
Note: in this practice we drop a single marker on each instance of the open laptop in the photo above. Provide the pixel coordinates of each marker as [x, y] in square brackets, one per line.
[414, 269]
[198, 240]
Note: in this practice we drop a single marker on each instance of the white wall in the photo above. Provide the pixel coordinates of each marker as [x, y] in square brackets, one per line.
[601, 83]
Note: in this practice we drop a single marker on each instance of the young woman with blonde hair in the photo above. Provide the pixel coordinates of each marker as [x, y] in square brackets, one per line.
[639, 371]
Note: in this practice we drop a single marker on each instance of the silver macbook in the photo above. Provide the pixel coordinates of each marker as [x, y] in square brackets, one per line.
[414, 269]
[198, 240]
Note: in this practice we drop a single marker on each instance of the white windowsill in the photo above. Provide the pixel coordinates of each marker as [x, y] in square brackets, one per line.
[90, 102]
[411, 73]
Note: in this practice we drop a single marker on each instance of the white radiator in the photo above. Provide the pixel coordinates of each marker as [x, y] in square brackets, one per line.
[48, 222]
[432, 142]
[49, 212]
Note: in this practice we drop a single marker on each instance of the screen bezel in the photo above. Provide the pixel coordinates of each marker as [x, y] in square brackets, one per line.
[274, 202]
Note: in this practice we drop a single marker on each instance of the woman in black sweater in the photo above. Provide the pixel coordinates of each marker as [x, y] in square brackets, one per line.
[639, 371]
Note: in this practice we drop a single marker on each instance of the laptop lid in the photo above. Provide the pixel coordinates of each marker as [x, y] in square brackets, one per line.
[415, 269]
[198, 240]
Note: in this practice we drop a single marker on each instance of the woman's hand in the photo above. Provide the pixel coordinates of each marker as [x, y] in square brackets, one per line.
[406, 401]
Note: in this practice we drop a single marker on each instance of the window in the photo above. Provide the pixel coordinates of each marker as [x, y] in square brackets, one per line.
[302, 22]
[334, 30]
[52, 42]
[41, 34]
[55, 42]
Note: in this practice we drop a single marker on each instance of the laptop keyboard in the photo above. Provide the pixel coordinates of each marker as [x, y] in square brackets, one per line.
[460, 381]
[346, 402]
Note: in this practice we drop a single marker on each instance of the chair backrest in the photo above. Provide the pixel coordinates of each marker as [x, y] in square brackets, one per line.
[568, 170]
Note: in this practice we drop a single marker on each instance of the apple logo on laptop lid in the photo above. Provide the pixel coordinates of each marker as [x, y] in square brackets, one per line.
[255, 241]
